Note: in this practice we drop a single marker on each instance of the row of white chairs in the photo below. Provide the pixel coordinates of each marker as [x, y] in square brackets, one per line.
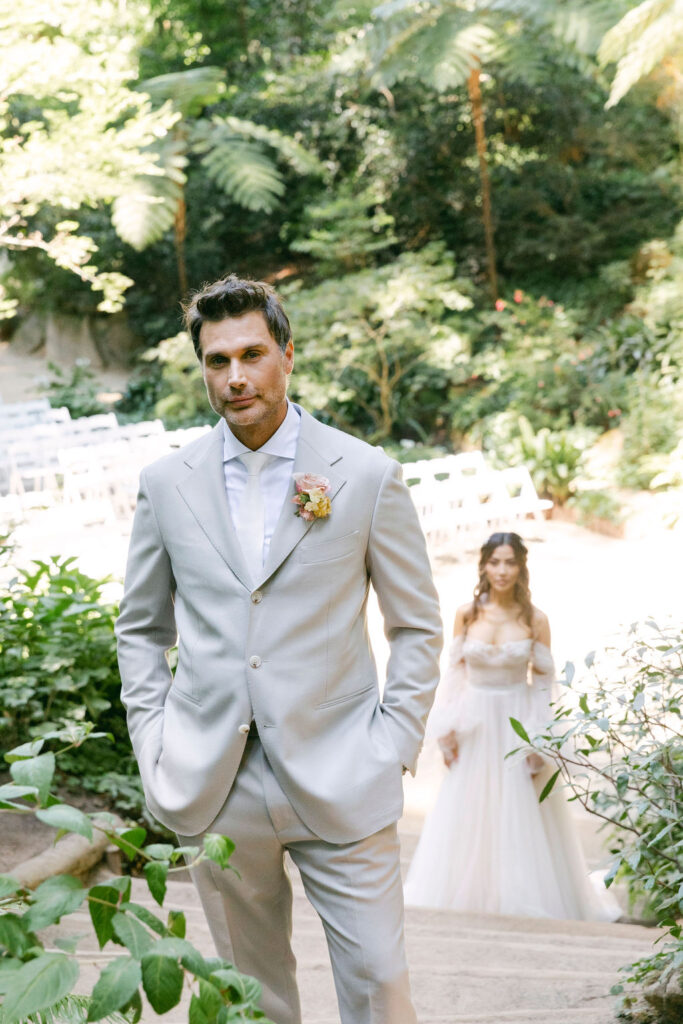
[462, 493]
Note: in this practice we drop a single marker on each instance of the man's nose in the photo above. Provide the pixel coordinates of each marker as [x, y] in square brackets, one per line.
[236, 377]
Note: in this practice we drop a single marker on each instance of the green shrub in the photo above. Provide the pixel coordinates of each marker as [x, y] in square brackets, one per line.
[653, 428]
[181, 398]
[554, 458]
[619, 749]
[58, 668]
[76, 389]
[597, 505]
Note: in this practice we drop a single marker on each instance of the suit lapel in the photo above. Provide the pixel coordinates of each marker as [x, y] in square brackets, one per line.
[310, 458]
[203, 491]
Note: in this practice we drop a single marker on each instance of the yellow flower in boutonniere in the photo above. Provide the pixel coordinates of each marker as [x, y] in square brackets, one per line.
[311, 496]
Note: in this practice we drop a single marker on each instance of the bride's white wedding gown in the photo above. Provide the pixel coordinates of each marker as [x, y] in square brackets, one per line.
[488, 846]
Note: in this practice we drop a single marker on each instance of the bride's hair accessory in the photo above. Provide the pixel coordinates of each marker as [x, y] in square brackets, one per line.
[311, 496]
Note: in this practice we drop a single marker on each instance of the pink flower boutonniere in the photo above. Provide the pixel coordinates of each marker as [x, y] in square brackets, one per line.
[311, 496]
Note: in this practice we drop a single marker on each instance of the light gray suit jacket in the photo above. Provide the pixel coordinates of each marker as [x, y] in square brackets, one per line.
[290, 650]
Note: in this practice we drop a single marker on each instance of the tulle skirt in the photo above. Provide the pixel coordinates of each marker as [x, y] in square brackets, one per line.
[488, 846]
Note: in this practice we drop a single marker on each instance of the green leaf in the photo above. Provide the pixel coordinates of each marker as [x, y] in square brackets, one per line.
[548, 788]
[129, 931]
[146, 916]
[218, 848]
[37, 985]
[103, 905]
[8, 968]
[36, 772]
[14, 935]
[210, 998]
[176, 923]
[130, 840]
[162, 980]
[155, 873]
[133, 1008]
[8, 886]
[11, 792]
[52, 899]
[520, 730]
[70, 819]
[115, 987]
[26, 750]
[159, 851]
[197, 1014]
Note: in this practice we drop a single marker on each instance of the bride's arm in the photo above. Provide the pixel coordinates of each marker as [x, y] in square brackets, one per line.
[542, 691]
[444, 718]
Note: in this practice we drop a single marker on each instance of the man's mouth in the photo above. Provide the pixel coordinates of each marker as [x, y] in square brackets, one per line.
[242, 400]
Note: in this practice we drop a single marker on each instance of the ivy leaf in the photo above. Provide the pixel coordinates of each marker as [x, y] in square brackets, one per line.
[116, 986]
[548, 788]
[159, 851]
[146, 916]
[70, 819]
[52, 899]
[520, 730]
[218, 848]
[132, 934]
[37, 985]
[26, 750]
[162, 980]
[155, 873]
[36, 772]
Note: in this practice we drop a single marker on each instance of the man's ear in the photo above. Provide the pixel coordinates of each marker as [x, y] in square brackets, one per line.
[288, 356]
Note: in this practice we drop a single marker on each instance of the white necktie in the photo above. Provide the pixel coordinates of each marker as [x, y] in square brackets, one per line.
[250, 528]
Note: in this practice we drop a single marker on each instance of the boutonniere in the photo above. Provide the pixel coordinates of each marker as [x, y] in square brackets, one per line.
[311, 496]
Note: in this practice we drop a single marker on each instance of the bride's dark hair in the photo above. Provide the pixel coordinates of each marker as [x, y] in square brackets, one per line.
[522, 593]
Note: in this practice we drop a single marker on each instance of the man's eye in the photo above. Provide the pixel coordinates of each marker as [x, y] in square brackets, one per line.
[251, 355]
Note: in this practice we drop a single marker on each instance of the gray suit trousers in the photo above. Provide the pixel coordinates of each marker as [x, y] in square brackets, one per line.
[354, 887]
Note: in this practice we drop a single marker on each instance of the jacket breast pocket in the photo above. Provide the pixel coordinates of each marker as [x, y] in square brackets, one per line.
[327, 550]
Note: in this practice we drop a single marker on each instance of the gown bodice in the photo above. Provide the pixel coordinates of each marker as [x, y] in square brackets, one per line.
[495, 666]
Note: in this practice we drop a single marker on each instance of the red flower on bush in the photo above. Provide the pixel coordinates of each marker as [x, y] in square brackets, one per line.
[500, 305]
[613, 412]
[518, 295]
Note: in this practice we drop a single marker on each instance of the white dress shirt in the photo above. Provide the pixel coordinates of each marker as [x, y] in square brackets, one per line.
[276, 476]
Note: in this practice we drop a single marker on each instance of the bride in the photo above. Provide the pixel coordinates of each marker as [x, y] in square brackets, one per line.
[488, 846]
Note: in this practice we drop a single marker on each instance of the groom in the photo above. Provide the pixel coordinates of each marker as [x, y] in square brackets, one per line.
[254, 548]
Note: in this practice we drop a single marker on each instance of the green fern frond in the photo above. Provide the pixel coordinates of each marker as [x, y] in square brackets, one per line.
[243, 171]
[145, 212]
[643, 38]
[628, 31]
[189, 91]
[288, 148]
[71, 1009]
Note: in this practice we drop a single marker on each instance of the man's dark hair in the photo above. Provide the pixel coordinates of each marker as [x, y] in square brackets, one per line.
[234, 296]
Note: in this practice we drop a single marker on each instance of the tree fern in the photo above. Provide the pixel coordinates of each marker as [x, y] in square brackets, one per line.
[147, 209]
[71, 1009]
[239, 167]
[189, 91]
[643, 38]
[289, 149]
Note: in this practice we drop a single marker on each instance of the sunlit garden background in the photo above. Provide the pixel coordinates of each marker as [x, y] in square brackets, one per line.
[473, 214]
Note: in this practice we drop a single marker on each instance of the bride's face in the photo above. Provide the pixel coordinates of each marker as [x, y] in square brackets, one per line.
[501, 569]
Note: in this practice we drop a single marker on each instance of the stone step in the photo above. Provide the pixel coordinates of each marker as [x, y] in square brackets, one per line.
[465, 968]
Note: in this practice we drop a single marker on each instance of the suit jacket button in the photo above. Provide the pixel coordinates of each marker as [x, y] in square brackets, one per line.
[255, 661]
[243, 728]
[256, 597]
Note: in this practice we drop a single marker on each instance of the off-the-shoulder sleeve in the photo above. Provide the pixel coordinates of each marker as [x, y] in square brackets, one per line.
[543, 689]
[448, 713]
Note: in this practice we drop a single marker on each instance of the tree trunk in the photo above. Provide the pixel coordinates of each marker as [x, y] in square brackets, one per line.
[474, 90]
[180, 231]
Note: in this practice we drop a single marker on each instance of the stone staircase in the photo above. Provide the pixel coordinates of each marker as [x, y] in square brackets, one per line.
[465, 968]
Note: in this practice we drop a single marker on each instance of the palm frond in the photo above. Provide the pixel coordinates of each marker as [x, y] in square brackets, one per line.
[630, 28]
[189, 91]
